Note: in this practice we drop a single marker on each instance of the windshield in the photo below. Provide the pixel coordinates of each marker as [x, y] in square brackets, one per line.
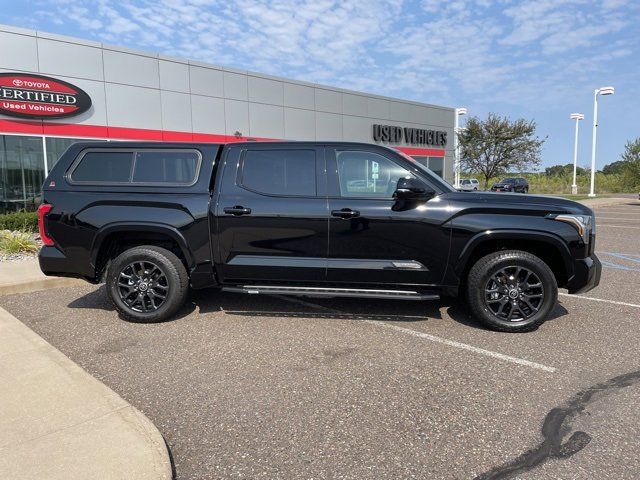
[446, 186]
[509, 180]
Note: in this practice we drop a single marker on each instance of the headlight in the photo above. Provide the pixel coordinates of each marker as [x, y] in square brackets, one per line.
[582, 223]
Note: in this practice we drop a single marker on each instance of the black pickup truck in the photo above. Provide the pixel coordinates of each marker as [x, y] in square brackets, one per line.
[304, 218]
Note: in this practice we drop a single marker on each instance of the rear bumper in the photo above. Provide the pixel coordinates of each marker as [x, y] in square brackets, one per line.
[586, 276]
[55, 263]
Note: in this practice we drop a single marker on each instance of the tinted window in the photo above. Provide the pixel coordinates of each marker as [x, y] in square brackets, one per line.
[280, 172]
[466, 182]
[365, 174]
[104, 166]
[179, 167]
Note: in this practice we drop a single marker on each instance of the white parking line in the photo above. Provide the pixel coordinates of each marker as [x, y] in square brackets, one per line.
[603, 300]
[432, 338]
[464, 346]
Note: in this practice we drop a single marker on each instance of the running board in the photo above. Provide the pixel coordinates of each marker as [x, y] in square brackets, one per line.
[332, 292]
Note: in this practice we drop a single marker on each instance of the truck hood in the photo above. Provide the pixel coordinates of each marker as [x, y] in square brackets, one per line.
[518, 201]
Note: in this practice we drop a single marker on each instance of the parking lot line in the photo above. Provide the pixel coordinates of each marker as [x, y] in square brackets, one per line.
[624, 256]
[464, 346]
[431, 338]
[604, 300]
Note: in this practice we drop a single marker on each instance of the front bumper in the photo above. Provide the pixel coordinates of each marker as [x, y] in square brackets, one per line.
[586, 274]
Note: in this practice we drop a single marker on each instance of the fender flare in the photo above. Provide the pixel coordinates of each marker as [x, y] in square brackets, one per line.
[143, 227]
[514, 234]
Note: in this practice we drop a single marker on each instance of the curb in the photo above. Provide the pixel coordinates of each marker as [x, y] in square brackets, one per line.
[39, 284]
[59, 422]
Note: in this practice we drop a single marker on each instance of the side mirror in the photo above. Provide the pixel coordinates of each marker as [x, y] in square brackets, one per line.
[412, 189]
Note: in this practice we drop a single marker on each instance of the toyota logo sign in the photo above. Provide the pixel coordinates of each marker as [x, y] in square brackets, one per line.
[36, 96]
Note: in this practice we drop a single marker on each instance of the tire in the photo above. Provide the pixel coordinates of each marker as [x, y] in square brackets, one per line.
[488, 298]
[164, 276]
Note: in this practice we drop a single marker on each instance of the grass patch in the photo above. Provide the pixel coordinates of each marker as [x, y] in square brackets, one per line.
[17, 242]
[19, 221]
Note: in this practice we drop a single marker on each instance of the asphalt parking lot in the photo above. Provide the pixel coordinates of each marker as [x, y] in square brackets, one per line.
[275, 387]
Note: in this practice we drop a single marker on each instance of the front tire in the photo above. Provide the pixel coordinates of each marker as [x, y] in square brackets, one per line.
[147, 284]
[511, 291]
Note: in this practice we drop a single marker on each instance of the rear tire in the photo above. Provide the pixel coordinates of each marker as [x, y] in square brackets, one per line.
[147, 284]
[511, 291]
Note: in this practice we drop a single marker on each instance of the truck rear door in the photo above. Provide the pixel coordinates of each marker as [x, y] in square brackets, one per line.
[271, 214]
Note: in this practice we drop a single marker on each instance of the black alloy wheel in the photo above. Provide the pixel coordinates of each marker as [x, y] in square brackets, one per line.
[147, 284]
[511, 291]
[143, 286]
[514, 294]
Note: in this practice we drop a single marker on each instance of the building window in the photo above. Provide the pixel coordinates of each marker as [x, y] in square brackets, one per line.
[57, 146]
[435, 164]
[21, 172]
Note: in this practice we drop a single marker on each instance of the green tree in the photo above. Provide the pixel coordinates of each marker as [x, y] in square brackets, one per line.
[564, 170]
[631, 159]
[497, 145]
[614, 167]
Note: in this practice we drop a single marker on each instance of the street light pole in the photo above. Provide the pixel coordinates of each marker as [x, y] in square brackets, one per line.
[577, 117]
[596, 92]
[456, 149]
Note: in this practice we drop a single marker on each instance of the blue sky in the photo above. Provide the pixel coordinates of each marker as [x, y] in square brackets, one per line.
[537, 59]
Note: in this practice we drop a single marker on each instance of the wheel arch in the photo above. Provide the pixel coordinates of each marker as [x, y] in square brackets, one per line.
[114, 238]
[547, 246]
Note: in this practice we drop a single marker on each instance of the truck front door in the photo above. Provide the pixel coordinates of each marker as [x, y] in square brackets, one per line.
[271, 214]
[374, 239]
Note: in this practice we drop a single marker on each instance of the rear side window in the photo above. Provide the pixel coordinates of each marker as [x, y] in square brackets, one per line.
[178, 167]
[148, 166]
[104, 167]
[280, 172]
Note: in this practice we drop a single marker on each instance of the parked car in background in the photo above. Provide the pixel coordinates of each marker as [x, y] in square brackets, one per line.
[511, 185]
[469, 184]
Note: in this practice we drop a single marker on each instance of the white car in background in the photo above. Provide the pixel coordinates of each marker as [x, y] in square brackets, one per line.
[469, 184]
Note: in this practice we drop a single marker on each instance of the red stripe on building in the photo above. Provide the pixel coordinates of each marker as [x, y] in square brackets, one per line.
[122, 133]
[426, 152]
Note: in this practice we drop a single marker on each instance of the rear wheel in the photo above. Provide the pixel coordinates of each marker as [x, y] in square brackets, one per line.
[147, 284]
[511, 291]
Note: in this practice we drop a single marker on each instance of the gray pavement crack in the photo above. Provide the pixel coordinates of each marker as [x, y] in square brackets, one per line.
[557, 425]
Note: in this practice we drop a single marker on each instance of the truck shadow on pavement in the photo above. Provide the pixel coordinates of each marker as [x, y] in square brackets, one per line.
[213, 301]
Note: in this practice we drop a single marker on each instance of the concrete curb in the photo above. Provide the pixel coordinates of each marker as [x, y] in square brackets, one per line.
[25, 276]
[39, 284]
[58, 422]
[605, 202]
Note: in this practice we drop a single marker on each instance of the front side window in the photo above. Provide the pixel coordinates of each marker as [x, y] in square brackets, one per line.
[280, 172]
[104, 167]
[177, 167]
[367, 174]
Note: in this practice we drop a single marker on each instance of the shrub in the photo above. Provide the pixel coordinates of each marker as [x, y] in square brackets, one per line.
[19, 221]
[17, 242]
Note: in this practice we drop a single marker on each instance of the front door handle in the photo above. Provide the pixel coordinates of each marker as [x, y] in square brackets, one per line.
[345, 213]
[237, 210]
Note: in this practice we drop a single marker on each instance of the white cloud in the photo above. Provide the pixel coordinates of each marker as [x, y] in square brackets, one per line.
[433, 50]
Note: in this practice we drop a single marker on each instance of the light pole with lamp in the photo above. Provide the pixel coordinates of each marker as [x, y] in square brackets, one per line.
[596, 92]
[456, 150]
[577, 117]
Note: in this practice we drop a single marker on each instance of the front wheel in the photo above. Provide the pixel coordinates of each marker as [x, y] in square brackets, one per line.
[511, 291]
[147, 284]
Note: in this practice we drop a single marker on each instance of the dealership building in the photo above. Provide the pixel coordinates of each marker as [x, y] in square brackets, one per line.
[56, 90]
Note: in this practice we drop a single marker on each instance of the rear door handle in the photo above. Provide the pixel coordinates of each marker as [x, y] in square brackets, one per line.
[345, 213]
[237, 210]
